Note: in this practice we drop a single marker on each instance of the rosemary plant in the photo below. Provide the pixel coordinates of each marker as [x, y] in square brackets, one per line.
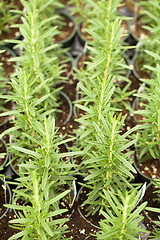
[148, 140]
[37, 221]
[45, 156]
[39, 53]
[122, 217]
[107, 161]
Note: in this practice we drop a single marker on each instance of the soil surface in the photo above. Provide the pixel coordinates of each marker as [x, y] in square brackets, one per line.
[66, 30]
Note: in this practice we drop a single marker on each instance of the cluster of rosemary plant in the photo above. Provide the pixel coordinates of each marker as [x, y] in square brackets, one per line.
[35, 141]
[106, 159]
[148, 140]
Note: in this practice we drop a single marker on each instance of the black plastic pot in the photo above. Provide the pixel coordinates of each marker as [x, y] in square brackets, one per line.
[137, 62]
[68, 40]
[64, 95]
[155, 205]
[141, 176]
[80, 212]
[136, 105]
[136, 23]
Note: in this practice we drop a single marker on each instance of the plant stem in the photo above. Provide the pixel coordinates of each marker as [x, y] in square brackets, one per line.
[103, 86]
[36, 197]
[26, 99]
[124, 217]
[33, 41]
[111, 147]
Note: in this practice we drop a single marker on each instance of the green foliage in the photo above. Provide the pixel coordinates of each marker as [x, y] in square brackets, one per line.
[151, 21]
[42, 153]
[106, 159]
[40, 55]
[37, 220]
[121, 216]
[148, 140]
[89, 9]
[44, 171]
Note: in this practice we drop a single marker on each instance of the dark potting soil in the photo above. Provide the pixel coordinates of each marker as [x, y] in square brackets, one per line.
[81, 62]
[5, 230]
[64, 1]
[66, 30]
[12, 33]
[151, 198]
[7, 66]
[66, 67]
[149, 168]
[93, 219]
[138, 30]
[3, 128]
[125, 29]
[7, 106]
[139, 105]
[78, 228]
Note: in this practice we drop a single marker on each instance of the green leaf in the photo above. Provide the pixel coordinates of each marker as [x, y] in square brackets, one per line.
[46, 226]
[55, 199]
[27, 151]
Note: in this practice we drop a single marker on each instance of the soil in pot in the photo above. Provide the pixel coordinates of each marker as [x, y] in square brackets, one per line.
[152, 200]
[66, 30]
[150, 168]
[5, 230]
[137, 29]
[138, 105]
[64, 110]
[78, 228]
[129, 120]
[83, 34]
[7, 66]
[92, 219]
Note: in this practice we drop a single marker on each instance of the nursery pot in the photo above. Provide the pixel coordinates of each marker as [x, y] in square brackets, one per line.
[82, 34]
[62, 116]
[81, 210]
[5, 197]
[150, 197]
[138, 105]
[144, 172]
[66, 37]
[137, 30]
[85, 36]
[138, 61]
